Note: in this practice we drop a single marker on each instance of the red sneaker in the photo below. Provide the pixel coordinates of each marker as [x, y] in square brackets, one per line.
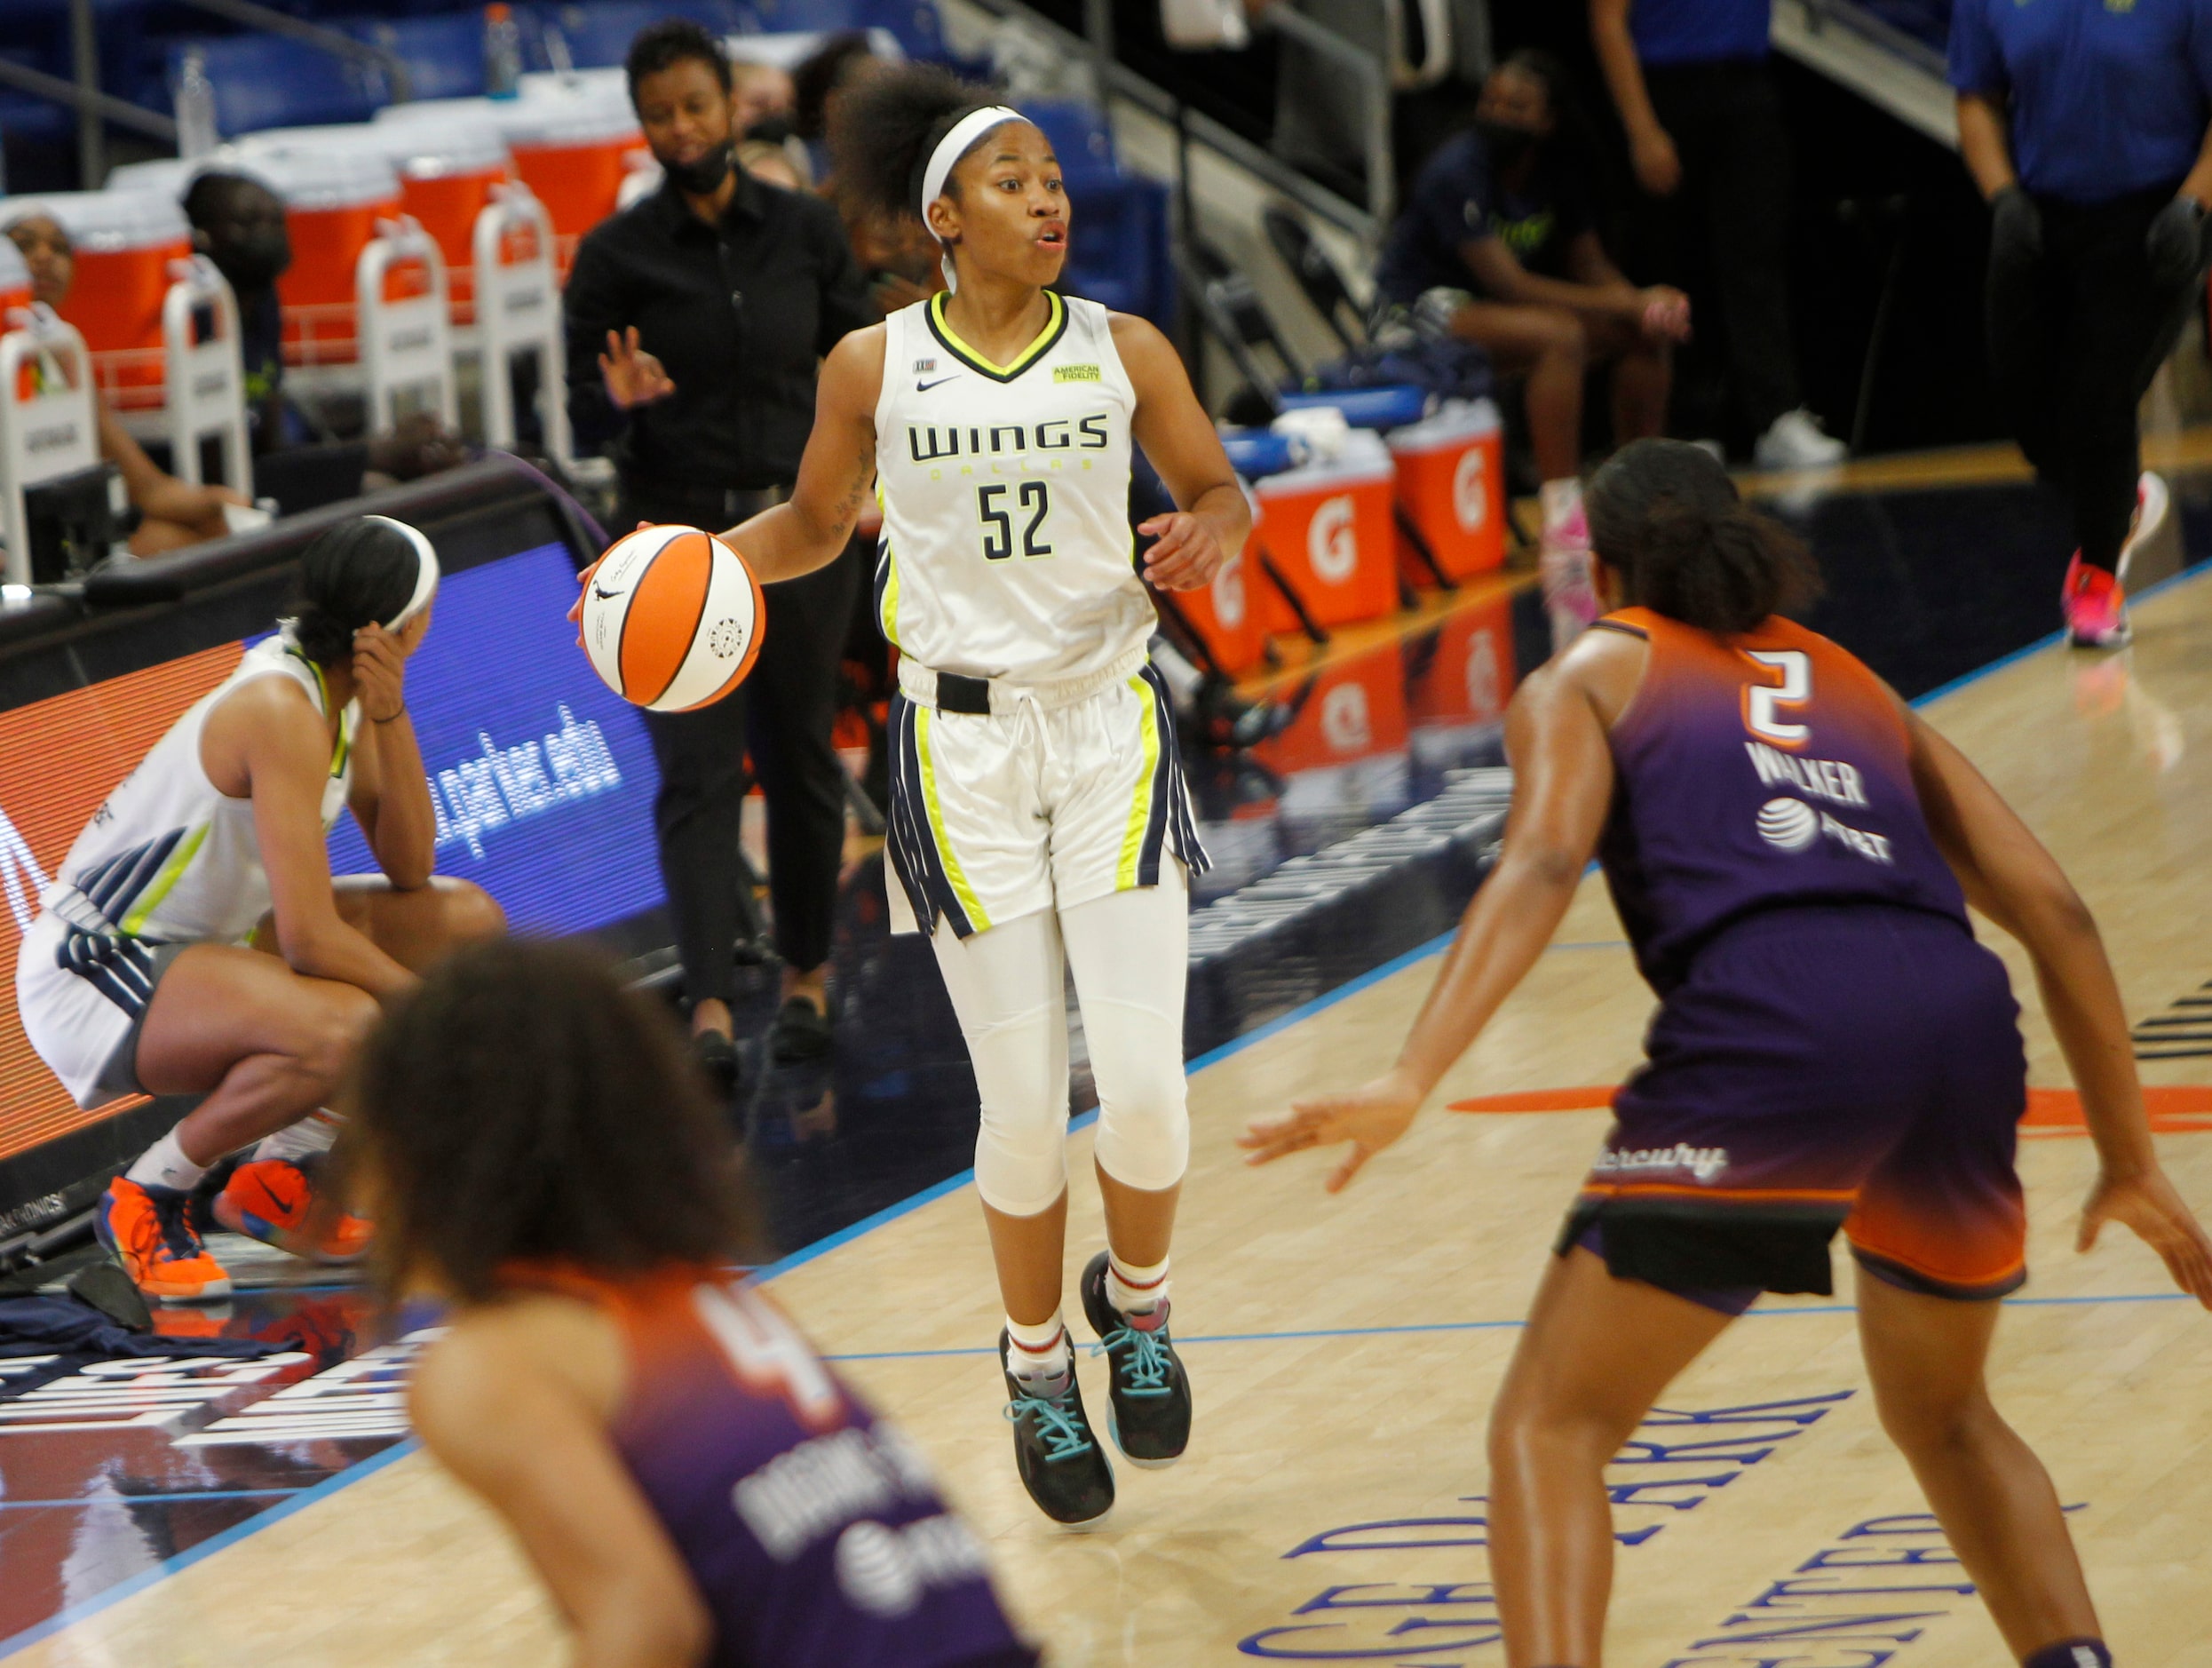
[149, 1231]
[271, 1200]
[2095, 606]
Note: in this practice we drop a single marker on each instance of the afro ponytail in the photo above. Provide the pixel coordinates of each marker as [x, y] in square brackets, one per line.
[884, 127]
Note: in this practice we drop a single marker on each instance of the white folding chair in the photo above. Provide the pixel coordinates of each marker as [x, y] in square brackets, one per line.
[518, 311]
[48, 428]
[206, 385]
[406, 345]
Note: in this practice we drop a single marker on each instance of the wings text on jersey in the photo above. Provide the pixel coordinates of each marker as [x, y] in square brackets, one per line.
[927, 443]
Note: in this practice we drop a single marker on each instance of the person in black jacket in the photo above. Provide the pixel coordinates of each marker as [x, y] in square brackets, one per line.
[695, 320]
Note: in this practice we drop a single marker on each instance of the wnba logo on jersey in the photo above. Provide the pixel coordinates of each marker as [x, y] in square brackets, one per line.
[1332, 539]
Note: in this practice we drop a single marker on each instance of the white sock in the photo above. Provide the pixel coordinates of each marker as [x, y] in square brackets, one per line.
[164, 1164]
[1038, 1352]
[1136, 1291]
[312, 1134]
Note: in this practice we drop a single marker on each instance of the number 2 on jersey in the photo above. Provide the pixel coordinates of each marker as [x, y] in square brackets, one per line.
[1763, 702]
[1034, 502]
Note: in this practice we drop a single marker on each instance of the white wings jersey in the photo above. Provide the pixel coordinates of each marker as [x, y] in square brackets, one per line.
[1006, 546]
[169, 857]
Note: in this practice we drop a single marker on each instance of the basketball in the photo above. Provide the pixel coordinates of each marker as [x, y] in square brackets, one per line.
[672, 619]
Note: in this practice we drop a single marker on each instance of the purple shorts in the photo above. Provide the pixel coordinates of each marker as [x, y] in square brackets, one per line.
[1856, 1066]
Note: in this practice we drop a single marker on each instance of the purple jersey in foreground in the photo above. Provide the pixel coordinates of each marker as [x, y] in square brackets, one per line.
[814, 1533]
[1764, 770]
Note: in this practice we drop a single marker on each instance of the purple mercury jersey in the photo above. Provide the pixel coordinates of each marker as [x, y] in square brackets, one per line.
[1756, 772]
[814, 1533]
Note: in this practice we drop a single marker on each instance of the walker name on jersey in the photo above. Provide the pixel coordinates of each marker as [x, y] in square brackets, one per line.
[927, 443]
[509, 784]
[1829, 779]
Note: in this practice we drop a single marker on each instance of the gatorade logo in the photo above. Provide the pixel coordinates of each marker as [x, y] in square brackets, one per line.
[1228, 592]
[20, 874]
[1332, 540]
[1470, 496]
[1345, 721]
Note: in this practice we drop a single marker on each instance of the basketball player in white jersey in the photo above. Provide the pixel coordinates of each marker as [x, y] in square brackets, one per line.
[195, 944]
[1038, 810]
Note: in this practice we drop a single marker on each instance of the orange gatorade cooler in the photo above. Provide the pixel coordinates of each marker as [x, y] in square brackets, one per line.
[446, 178]
[332, 202]
[1327, 528]
[124, 242]
[1451, 484]
[15, 285]
[1226, 614]
[574, 159]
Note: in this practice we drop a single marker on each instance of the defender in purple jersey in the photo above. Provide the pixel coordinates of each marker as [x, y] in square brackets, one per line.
[1791, 851]
[691, 1480]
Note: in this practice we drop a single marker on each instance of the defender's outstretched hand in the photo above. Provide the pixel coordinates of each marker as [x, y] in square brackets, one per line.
[2149, 1205]
[1370, 1117]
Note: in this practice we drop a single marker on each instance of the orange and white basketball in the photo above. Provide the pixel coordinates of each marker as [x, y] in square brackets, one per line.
[672, 618]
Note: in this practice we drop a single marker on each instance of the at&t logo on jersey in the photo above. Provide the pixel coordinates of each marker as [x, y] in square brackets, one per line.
[1791, 825]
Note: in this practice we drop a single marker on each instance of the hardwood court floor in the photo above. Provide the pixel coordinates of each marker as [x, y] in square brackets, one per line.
[1344, 1351]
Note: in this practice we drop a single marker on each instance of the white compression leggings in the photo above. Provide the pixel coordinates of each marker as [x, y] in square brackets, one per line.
[1007, 986]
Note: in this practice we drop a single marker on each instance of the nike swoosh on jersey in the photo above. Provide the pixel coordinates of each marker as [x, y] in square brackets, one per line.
[923, 387]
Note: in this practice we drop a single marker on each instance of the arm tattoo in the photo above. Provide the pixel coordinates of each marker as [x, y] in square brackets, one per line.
[863, 477]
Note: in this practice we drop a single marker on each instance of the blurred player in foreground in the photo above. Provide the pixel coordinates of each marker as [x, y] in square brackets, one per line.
[1791, 850]
[691, 1482]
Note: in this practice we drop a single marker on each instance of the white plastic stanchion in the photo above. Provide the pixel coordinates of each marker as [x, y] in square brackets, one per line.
[206, 382]
[406, 345]
[47, 425]
[518, 311]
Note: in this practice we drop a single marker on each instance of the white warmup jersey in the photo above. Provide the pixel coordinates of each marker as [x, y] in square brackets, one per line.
[1006, 549]
[167, 860]
[1006, 555]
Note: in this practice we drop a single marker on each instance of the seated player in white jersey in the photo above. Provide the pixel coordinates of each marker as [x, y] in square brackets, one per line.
[195, 943]
[1039, 816]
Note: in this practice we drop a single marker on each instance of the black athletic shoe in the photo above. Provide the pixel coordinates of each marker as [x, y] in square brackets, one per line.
[1149, 1391]
[801, 1033]
[1055, 1450]
[718, 1059]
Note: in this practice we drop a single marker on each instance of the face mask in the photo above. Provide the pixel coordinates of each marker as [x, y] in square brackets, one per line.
[772, 129]
[256, 260]
[701, 178]
[1507, 144]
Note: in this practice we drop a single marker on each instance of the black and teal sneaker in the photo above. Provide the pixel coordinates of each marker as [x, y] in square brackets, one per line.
[1149, 1391]
[1055, 1450]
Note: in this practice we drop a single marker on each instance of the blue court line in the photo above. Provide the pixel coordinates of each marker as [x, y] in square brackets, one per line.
[1777, 1312]
[953, 1184]
[134, 1499]
[180, 1561]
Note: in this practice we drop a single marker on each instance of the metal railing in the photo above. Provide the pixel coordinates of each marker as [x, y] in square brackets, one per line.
[95, 108]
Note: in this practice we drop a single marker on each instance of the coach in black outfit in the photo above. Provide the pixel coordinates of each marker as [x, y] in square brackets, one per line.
[695, 320]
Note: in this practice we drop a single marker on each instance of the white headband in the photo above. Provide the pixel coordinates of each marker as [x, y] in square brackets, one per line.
[955, 144]
[425, 571]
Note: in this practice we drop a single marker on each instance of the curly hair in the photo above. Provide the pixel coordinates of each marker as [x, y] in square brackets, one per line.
[658, 46]
[1665, 515]
[520, 1104]
[885, 128]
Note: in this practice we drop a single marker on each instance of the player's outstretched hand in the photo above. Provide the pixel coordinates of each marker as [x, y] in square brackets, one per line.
[632, 375]
[1370, 1117]
[2149, 1204]
[1187, 554]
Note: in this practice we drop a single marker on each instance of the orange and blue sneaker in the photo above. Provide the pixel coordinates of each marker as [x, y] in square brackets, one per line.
[273, 1199]
[2097, 608]
[149, 1231]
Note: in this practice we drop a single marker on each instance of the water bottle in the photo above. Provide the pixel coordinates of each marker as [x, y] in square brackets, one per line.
[195, 107]
[503, 52]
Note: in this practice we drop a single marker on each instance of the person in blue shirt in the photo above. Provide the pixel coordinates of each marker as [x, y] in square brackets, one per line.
[2085, 124]
[1705, 134]
[1497, 246]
